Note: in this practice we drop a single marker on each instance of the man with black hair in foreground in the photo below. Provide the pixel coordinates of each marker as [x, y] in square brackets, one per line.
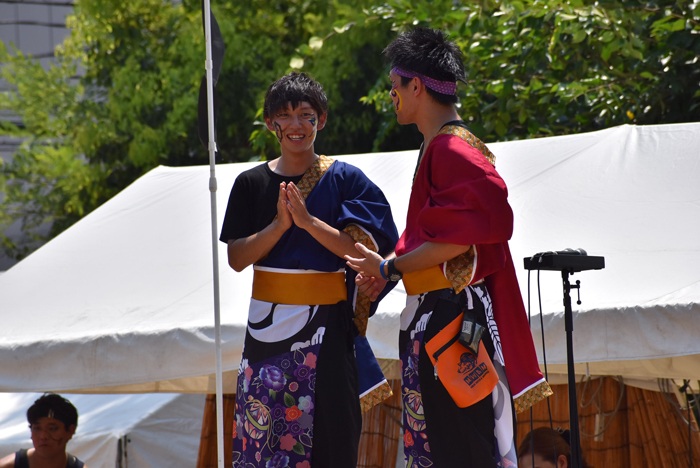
[52, 422]
[459, 396]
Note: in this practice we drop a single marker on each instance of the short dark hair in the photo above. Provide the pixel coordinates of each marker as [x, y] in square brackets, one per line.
[430, 53]
[295, 88]
[52, 405]
[548, 444]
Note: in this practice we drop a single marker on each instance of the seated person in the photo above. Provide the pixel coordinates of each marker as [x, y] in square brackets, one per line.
[52, 422]
[550, 448]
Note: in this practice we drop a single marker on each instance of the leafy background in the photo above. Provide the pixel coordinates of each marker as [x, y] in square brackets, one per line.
[121, 97]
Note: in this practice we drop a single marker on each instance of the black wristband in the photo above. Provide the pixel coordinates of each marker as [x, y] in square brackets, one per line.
[393, 273]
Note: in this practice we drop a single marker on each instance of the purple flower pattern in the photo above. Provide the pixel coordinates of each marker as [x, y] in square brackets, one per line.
[306, 403]
[272, 377]
[302, 372]
[270, 388]
[306, 421]
[278, 412]
[279, 427]
[286, 364]
[416, 452]
[295, 428]
[279, 460]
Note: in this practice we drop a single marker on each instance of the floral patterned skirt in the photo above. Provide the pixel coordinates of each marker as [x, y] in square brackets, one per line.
[297, 402]
[438, 433]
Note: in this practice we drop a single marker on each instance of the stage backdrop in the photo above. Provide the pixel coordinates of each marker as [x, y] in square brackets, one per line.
[123, 300]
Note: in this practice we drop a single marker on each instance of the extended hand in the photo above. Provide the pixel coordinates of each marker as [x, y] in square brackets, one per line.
[367, 266]
[370, 286]
[297, 207]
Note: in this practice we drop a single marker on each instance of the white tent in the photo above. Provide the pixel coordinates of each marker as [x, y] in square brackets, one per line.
[138, 431]
[123, 301]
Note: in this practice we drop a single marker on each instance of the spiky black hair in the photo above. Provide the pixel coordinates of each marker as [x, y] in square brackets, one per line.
[295, 88]
[430, 53]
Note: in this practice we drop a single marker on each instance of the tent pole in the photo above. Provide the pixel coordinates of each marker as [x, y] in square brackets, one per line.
[214, 241]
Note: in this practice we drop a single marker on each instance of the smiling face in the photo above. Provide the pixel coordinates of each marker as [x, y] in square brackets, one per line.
[296, 128]
[50, 437]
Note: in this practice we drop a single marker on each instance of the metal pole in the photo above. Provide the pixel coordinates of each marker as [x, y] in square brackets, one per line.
[209, 65]
[575, 442]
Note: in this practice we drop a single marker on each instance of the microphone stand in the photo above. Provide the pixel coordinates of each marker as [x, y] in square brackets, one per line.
[568, 262]
[575, 442]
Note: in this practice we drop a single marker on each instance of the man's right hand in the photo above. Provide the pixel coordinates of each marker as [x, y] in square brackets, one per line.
[246, 251]
[284, 217]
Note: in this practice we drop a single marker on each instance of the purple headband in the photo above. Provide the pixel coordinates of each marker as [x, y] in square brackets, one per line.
[442, 87]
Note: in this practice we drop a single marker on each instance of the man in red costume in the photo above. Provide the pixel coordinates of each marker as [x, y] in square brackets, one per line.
[457, 269]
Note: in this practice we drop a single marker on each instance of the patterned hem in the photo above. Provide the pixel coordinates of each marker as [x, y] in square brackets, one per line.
[375, 396]
[533, 396]
[460, 270]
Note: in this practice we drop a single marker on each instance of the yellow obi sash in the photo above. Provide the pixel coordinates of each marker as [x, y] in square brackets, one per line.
[298, 287]
[430, 279]
[423, 281]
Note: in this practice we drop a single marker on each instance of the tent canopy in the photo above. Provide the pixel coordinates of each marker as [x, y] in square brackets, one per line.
[123, 300]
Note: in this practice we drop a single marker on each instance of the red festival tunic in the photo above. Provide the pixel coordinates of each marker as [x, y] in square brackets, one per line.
[459, 198]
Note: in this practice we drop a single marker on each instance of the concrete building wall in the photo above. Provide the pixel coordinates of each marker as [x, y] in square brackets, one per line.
[35, 27]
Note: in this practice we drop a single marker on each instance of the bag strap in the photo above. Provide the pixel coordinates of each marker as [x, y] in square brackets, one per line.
[73, 462]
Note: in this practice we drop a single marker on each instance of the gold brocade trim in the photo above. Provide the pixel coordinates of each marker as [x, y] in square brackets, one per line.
[362, 303]
[376, 396]
[460, 270]
[465, 135]
[313, 174]
[533, 396]
[362, 307]
[470, 138]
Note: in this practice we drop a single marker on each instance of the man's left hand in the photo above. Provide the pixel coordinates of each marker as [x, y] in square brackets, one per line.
[297, 207]
[370, 286]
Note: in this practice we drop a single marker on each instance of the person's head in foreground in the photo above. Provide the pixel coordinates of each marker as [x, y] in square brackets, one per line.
[295, 109]
[550, 447]
[52, 423]
[423, 56]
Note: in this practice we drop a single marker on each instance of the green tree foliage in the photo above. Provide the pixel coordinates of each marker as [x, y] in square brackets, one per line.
[267, 38]
[552, 67]
[87, 137]
[121, 97]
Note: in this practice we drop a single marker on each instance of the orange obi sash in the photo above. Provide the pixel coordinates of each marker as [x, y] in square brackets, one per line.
[429, 279]
[298, 287]
[423, 281]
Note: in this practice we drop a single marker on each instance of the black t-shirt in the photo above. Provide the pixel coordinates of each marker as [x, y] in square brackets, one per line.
[252, 205]
[22, 460]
